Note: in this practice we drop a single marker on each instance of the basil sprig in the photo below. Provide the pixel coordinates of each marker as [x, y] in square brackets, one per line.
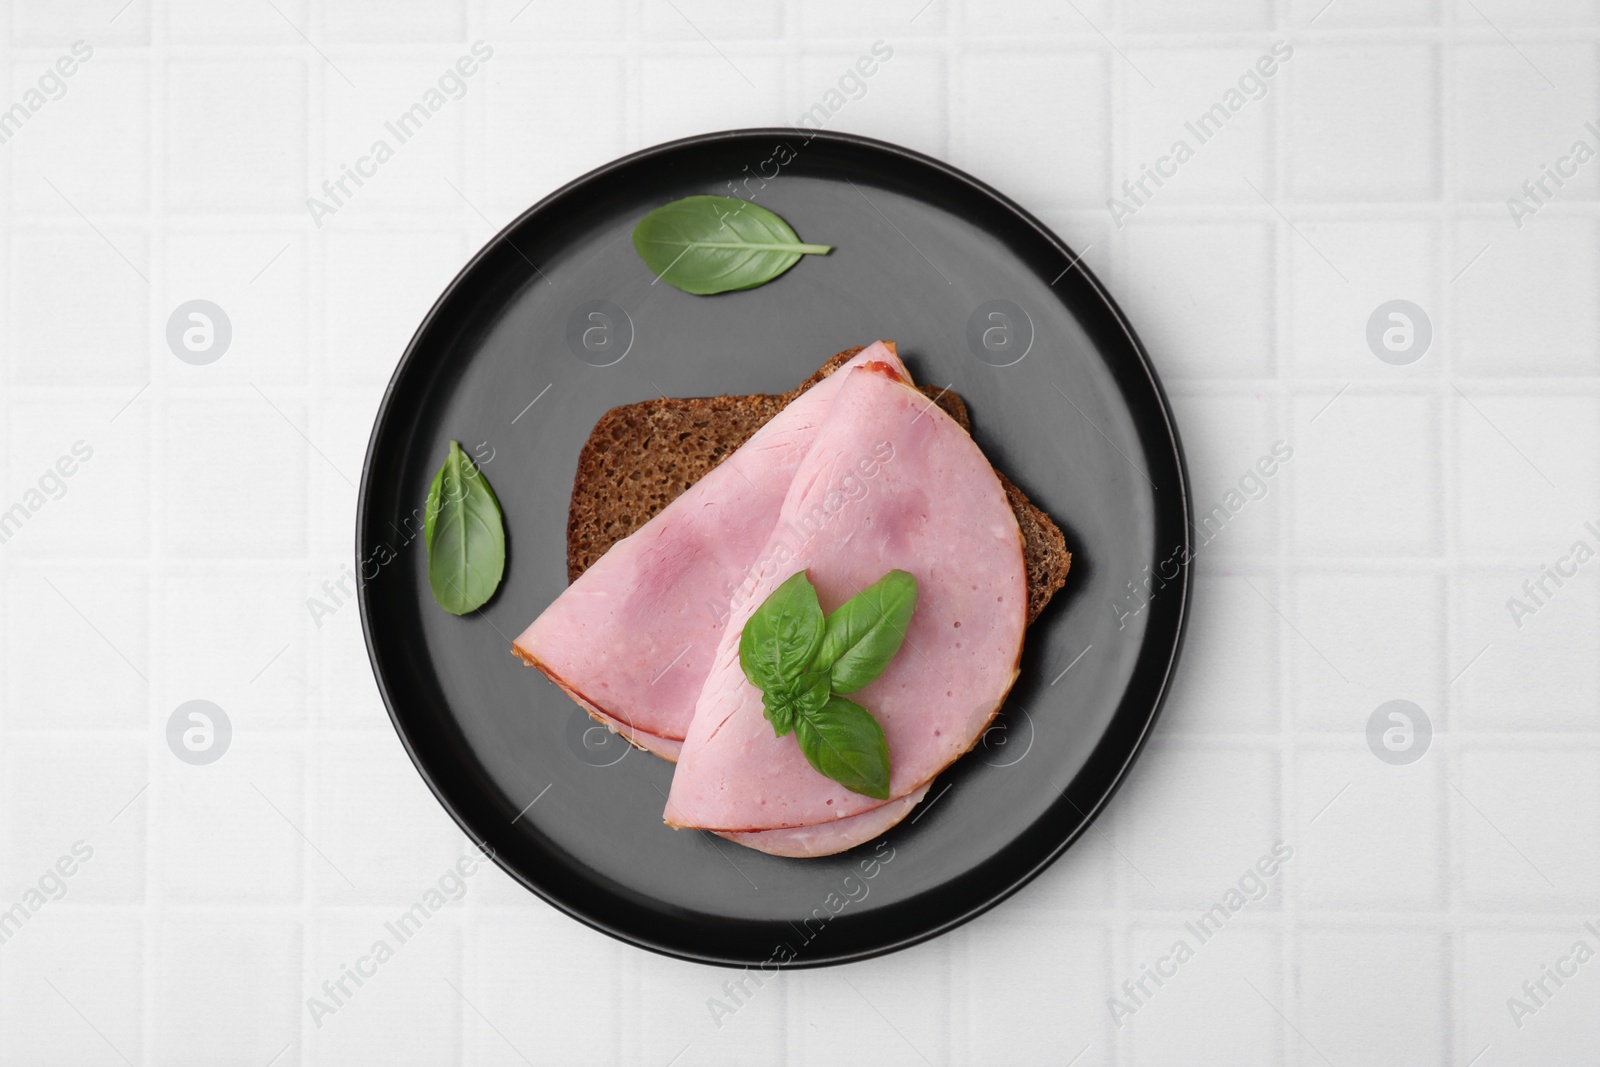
[465, 535]
[714, 244]
[804, 662]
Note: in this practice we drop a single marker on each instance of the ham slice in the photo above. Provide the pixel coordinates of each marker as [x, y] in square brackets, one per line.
[824, 839]
[632, 639]
[890, 482]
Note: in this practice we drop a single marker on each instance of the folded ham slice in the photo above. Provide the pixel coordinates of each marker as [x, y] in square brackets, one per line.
[824, 839]
[890, 482]
[632, 639]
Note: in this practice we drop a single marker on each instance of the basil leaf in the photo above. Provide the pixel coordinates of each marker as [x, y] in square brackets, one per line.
[842, 741]
[780, 640]
[804, 696]
[865, 633]
[465, 536]
[714, 244]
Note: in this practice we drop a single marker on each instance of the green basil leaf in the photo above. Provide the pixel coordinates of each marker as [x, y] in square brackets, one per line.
[714, 244]
[804, 696]
[780, 640]
[465, 536]
[845, 743]
[865, 633]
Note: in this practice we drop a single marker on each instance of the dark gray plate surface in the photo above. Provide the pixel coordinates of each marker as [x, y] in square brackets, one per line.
[1078, 421]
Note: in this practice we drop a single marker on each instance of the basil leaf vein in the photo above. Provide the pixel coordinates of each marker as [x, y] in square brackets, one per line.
[781, 639]
[717, 244]
[804, 696]
[842, 741]
[465, 535]
[864, 634]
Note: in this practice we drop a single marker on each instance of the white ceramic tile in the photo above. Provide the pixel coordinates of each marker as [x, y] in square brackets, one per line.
[229, 150]
[1360, 14]
[681, 96]
[535, 1007]
[891, 1009]
[1509, 16]
[253, 793]
[64, 982]
[1011, 18]
[1328, 316]
[211, 509]
[1528, 478]
[244, 969]
[1531, 635]
[374, 21]
[1356, 641]
[1513, 317]
[1366, 475]
[1371, 834]
[1211, 832]
[71, 464]
[378, 287]
[1218, 278]
[521, 123]
[393, 838]
[256, 669]
[1055, 150]
[1501, 1006]
[1064, 995]
[1514, 854]
[109, 94]
[1168, 16]
[1361, 123]
[76, 655]
[1174, 1020]
[82, 797]
[1367, 994]
[259, 281]
[1507, 128]
[49, 24]
[49, 273]
[199, 22]
[1240, 483]
[401, 142]
[1231, 682]
[381, 977]
[1200, 129]
[873, 89]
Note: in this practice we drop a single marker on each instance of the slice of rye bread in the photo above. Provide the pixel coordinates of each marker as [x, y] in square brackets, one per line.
[640, 457]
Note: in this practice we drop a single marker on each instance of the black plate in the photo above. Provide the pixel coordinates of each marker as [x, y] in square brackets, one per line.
[1079, 421]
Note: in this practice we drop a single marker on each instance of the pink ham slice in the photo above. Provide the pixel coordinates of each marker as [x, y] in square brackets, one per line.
[926, 501]
[825, 839]
[632, 639]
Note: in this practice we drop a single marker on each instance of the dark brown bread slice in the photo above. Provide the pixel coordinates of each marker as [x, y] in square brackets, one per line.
[640, 457]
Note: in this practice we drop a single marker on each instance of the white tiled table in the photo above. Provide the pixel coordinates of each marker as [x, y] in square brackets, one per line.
[178, 562]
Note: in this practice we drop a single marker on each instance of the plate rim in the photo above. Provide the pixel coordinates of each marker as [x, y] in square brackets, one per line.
[1168, 429]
